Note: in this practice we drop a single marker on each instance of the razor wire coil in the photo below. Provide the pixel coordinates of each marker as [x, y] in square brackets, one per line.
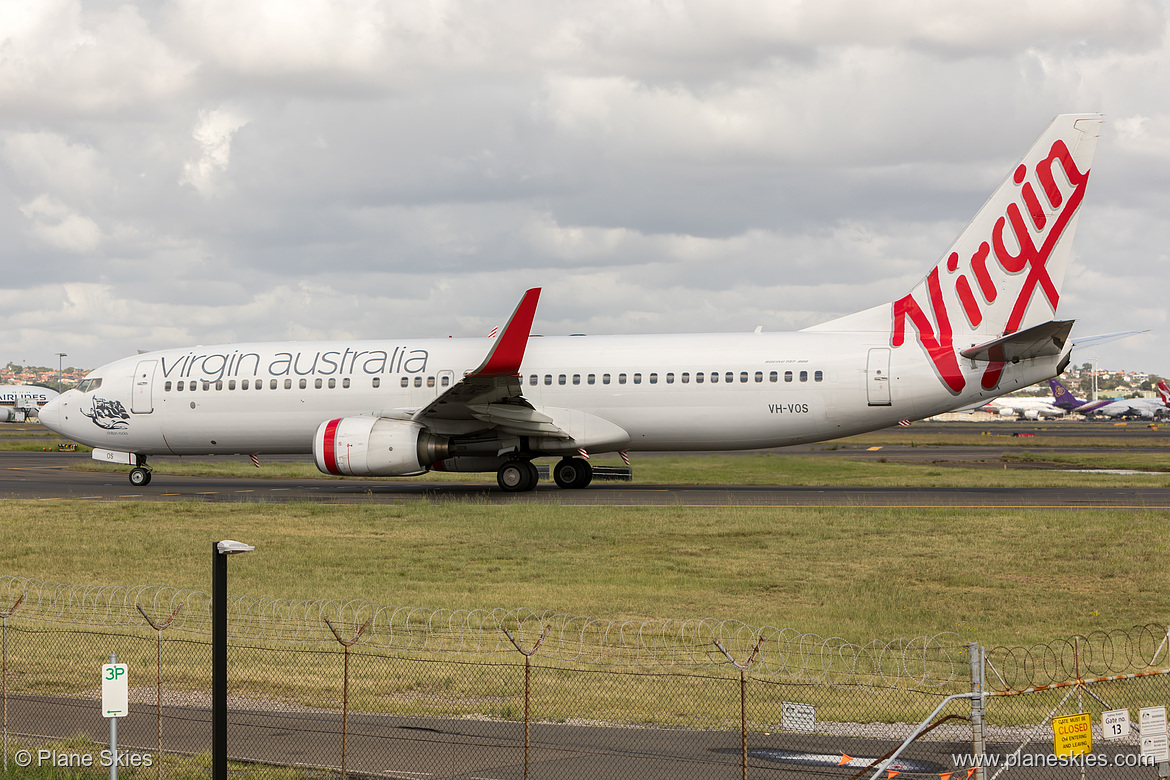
[785, 654]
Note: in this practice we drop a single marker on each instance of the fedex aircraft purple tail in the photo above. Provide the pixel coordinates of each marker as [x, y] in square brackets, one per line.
[981, 323]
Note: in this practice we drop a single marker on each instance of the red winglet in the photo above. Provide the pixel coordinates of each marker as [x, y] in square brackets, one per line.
[508, 351]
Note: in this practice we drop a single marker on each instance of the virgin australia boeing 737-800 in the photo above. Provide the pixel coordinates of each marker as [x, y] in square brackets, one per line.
[980, 324]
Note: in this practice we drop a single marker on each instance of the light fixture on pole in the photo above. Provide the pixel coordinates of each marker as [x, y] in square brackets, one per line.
[60, 367]
[219, 552]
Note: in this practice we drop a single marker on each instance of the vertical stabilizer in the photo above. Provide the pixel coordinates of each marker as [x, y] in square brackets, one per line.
[1062, 397]
[1005, 270]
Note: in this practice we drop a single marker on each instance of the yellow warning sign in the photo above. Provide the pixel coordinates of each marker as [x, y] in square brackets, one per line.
[1072, 735]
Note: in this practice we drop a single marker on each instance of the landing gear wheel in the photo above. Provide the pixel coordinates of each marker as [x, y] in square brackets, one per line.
[573, 473]
[139, 477]
[517, 476]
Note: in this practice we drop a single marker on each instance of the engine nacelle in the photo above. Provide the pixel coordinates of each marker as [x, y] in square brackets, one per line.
[1031, 414]
[1007, 412]
[374, 446]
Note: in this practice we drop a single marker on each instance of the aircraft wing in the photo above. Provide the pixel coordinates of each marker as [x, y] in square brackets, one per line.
[1043, 340]
[491, 394]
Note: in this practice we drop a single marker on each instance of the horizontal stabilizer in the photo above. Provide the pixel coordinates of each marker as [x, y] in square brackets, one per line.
[1044, 340]
[1105, 338]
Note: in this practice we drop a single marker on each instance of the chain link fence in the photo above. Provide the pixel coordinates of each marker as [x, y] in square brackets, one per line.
[351, 688]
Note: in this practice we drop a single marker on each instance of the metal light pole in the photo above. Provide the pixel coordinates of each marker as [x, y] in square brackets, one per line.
[60, 368]
[219, 553]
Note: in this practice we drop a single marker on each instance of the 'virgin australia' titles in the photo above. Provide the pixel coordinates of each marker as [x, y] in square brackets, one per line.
[333, 362]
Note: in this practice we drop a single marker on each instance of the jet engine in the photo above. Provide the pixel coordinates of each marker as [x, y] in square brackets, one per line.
[374, 446]
[1031, 414]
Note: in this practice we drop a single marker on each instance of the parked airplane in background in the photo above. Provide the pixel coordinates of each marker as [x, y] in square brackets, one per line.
[980, 324]
[1127, 408]
[1024, 408]
[19, 402]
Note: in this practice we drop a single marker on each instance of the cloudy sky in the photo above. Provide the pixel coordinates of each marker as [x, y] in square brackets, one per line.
[201, 171]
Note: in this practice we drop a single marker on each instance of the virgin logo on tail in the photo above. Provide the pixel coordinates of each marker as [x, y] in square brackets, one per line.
[968, 287]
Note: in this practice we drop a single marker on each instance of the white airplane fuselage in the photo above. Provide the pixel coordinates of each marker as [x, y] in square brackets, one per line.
[980, 324]
[784, 388]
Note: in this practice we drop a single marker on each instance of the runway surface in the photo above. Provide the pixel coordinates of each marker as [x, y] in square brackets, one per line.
[47, 476]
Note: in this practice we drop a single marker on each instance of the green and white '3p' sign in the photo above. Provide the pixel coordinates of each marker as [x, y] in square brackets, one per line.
[115, 691]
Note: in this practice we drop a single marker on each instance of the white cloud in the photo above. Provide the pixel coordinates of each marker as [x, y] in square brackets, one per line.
[59, 226]
[216, 168]
[213, 132]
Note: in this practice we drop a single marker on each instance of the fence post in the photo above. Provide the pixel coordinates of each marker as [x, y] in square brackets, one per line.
[158, 682]
[345, 684]
[527, 673]
[4, 615]
[975, 656]
[742, 697]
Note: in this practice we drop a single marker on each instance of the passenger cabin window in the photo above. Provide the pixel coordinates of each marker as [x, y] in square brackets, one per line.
[405, 381]
[714, 377]
[430, 381]
[686, 377]
[621, 379]
[345, 382]
[271, 384]
[333, 383]
[591, 379]
[376, 382]
[773, 376]
[637, 379]
[818, 376]
[243, 384]
[787, 376]
[166, 386]
[654, 379]
[548, 379]
[803, 376]
[759, 376]
[560, 379]
[698, 377]
[231, 384]
[576, 379]
[417, 381]
[532, 379]
[317, 383]
[670, 378]
[443, 380]
[743, 376]
[605, 379]
[288, 384]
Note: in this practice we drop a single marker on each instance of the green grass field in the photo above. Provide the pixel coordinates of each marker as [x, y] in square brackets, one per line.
[1002, 576]
[996, 575]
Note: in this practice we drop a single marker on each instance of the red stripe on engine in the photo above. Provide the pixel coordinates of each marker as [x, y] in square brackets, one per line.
[328, 447]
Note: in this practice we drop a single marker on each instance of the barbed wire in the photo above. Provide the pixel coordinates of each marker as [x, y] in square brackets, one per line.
[786, 654]
[1080, 657]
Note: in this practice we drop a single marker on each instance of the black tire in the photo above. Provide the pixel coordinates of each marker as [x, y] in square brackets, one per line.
[517, 476]
[573, 473]
[139, 477]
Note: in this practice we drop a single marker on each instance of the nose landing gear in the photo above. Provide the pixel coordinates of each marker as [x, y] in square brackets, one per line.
[140, 474]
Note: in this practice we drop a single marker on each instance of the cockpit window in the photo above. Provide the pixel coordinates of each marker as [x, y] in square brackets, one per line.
[89, 385]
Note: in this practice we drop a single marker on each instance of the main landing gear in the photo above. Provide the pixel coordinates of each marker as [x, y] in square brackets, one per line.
[140, 474]
[519, 475]
[573, 473]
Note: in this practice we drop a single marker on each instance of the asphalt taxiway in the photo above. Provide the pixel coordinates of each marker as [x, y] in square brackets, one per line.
[48, 476]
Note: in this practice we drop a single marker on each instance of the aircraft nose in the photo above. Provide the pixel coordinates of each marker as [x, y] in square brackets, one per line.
[50, 414]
